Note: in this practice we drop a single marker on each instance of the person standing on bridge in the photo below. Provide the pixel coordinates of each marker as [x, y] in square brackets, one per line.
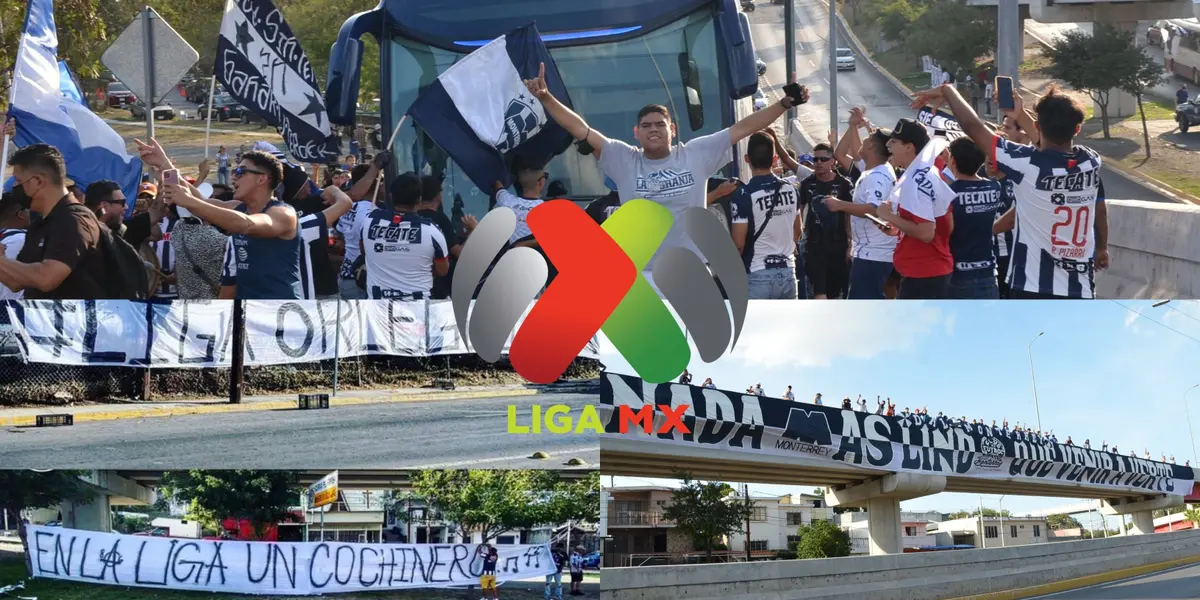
[789, 395]
[1056, 185]
[817, 399]
[1087, 444]
[670, 175]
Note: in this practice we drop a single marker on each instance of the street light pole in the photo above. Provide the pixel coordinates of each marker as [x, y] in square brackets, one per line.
[1003, 543]
[1034, 379]
[1189, 422]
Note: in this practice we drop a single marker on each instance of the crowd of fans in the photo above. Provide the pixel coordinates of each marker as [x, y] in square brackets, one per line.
[1017, 212]
[921, 418]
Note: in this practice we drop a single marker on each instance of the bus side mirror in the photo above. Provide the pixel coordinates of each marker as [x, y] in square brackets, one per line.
[341, 93]
[689, 73]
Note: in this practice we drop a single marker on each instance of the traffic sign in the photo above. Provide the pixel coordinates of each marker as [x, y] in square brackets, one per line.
[172, 56]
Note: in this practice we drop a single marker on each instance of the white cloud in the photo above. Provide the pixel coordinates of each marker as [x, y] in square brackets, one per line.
[814, 334]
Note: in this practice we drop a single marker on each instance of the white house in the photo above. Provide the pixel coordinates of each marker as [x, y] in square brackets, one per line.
[914, 530]
[775, 519]
[997, 532]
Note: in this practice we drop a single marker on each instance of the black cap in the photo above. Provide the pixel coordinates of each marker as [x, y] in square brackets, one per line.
[908, 130]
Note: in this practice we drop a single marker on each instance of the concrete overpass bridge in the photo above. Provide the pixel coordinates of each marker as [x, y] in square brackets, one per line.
[865, 460]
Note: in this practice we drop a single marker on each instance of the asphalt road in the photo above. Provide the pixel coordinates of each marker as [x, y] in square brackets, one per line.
[1183, 582]
[864, 86]
[468, 433]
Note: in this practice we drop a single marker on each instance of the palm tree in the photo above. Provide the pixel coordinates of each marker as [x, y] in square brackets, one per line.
[1193, 515]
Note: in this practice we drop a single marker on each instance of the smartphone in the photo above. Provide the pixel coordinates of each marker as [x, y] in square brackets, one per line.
[878, 222]
[792, 90]
[1004, 93]
[171, 177]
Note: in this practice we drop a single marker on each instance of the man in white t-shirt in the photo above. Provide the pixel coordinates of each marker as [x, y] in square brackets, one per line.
[871, 245]
[673, 176]
[14, 221]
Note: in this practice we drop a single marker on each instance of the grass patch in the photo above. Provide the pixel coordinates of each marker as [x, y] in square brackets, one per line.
[903, 67]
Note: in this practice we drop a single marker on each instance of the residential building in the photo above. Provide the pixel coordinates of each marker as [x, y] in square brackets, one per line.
[913, 530]
[637, 528]
[774, 521]
[356, 517]
[992, 532]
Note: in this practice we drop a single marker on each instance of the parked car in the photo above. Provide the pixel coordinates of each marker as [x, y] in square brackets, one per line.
[1187, 115]
[224, 107]
[119, 95]
[845, 60]
[162, 112]
[748, 5]
[592, 561]
[760, 65]
[760, 100]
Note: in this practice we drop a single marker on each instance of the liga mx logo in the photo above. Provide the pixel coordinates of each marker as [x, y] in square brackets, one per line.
[600, 287]
[520, 123]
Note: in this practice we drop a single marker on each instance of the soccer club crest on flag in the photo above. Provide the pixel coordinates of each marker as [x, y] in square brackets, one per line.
[521, 122]
[479, 110]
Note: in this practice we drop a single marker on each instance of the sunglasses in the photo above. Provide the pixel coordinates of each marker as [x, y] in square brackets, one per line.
[822, 158]
[238, 172]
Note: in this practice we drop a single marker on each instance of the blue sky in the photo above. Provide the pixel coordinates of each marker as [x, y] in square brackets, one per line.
[1103, 372]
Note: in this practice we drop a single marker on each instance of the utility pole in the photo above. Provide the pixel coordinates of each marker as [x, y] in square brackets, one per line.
[789, 55]
[747, 489]
[237, 368]
[148, 54]
[1008, 41]
[832, 50]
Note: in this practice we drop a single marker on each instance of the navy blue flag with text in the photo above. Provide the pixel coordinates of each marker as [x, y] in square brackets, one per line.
[261, 64]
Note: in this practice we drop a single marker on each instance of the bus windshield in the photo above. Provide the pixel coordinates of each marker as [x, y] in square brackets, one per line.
[608, 84]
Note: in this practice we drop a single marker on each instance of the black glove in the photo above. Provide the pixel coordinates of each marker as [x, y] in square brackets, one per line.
[382, 160]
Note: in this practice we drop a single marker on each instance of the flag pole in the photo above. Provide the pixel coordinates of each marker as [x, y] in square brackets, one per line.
[212, 86]
[388, 147]
[12, 95]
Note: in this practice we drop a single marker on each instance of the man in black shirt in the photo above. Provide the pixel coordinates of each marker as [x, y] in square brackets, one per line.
[106, 200]
[826, 244]
[431, 208]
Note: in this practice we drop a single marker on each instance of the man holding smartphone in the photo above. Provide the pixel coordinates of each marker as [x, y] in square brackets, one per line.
[1056, 186]
[660, 171]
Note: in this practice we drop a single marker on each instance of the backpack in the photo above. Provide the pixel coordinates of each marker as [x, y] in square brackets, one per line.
[125, 276]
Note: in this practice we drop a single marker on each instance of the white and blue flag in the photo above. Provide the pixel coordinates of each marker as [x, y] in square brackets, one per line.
[479, 110]
[49, 109]
[261, 64]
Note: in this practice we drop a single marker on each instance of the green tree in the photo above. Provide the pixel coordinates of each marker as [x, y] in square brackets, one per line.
[822, 539]
[261, 497]
[1062, 521]
[706, 510]
[488, 501]
[1193, 515]
[129, 524]
[1140, 77]
[21, 490]
[896, 19]
[1096, 64]
[987, 512]
[953, 34]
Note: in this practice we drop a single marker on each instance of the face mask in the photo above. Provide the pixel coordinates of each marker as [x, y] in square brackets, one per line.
[18, 192]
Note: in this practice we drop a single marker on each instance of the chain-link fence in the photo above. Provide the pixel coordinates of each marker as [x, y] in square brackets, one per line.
[23, 383]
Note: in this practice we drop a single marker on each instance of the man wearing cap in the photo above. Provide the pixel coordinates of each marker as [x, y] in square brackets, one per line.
[920, 208]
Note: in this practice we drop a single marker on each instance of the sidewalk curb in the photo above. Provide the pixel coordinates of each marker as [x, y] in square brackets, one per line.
[142, 413]
[1080, 582]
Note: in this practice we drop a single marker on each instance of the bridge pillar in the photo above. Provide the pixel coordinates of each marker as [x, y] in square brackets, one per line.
[92, 516]
[1143, 523]
[1120, 104]
[881, 496]
[1141, 509]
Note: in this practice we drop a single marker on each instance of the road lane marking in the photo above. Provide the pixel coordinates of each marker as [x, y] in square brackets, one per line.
[463, 463]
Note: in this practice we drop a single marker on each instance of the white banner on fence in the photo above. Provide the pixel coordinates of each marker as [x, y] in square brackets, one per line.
[275, 568]
[199, 333]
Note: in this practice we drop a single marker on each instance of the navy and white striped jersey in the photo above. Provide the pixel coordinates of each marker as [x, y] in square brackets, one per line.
[313, 227]
[1055, 197]
[520, 206]
[1002, 244]
[400, 249]
[166, 257]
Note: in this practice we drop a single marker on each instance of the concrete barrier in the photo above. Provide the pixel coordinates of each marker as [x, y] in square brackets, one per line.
[1155, 252]
[918, 576]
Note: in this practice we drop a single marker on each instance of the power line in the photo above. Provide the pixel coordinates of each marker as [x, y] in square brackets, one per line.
[1182, 313]
[1155, 321]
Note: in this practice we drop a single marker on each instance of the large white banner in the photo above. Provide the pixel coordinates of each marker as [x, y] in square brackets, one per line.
[275, 568]
[200, 333]
[736, 422]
